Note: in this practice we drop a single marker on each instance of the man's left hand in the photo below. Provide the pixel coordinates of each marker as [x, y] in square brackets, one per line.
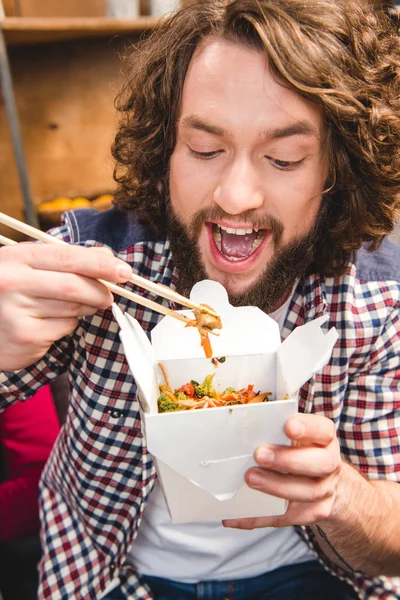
[306, 473]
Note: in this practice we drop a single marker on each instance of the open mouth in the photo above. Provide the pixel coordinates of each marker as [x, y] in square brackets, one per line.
[237, 244]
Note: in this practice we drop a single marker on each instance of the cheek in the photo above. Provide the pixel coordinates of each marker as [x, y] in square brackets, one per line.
[298, 212]
[175, 182]
[310, 213]
[181, 190]
[190, 189]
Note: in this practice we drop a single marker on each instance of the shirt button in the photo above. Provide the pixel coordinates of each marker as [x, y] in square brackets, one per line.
[115, 413]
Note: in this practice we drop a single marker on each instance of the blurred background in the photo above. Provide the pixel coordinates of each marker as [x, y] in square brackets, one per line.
[65, 60]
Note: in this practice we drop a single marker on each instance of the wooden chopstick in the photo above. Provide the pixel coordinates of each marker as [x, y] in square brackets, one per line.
[116, 289]
[156, 288]
[7, 242]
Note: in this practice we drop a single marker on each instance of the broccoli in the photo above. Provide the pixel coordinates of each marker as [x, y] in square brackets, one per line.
[205, 388]
[229, 390]
[166, 405]
[163, 388]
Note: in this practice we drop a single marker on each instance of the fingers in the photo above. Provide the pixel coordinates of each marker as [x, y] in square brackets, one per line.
[316, 452]
[58, 273]
[310, 461]
[66, 287]
[55, 329]
[292, 487]
[53, 309]
[298, 513]
[33, 337]
[310, 429]
[44, 290]
[306, 474]
[94, 263]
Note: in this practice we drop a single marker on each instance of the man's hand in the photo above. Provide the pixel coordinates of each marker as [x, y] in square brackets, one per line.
[306, 474]
[44, 290]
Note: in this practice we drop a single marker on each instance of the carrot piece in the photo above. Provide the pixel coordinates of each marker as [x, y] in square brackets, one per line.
[192, 323]
[206, 345]
[164, 373]
[259, 398]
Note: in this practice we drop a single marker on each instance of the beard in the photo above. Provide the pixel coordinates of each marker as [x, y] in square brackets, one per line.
[289, 263]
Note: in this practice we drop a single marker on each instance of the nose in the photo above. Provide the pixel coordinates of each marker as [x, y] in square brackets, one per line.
[239, 188]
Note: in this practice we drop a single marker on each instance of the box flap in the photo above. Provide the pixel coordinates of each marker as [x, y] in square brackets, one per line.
[304, 352]
[245, 330]
[213, 448]
[141, 358]
[187, 503]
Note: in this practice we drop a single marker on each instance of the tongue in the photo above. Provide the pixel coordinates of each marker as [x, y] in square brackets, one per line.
[237, 246]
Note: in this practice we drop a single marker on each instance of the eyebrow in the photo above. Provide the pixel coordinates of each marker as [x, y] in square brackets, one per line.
[299, 128]
[194, 122]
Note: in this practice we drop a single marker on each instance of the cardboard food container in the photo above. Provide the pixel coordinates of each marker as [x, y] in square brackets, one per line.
[201, 456]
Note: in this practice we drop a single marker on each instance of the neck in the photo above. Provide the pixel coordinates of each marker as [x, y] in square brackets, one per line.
[282, 301]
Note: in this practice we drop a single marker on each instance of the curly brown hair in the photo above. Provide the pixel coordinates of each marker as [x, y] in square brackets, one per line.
[343, 55]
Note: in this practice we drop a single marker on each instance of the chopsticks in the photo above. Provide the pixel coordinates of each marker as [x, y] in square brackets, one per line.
[156, 288]
[115, 289]
[7, 242]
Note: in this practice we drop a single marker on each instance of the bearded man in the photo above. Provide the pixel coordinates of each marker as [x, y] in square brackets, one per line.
[259, 146]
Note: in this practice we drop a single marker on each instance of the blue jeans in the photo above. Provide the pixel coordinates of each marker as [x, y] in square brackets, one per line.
[305, 581]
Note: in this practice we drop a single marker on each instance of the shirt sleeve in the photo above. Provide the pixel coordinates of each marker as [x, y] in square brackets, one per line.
[21, 385]
[370, 425]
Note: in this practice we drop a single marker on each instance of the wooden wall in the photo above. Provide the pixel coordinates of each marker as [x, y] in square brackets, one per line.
[65, 97]
[55, 8]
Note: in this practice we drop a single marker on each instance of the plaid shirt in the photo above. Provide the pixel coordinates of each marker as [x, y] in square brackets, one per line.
[100, 474]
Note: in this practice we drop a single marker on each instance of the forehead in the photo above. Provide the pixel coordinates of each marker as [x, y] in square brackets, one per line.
[232, 85]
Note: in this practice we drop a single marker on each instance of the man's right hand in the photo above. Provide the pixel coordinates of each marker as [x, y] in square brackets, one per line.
[44, 290]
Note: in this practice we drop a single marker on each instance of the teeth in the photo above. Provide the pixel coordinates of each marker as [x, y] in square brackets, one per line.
[256, 243]
[218, 238]
[238, 231]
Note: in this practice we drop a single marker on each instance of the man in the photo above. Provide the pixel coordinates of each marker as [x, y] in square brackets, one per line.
[259, 147]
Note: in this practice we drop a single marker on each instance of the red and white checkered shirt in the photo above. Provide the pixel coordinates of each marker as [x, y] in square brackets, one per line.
[100, 474]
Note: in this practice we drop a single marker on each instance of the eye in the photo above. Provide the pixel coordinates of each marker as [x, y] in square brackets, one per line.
[204, 155]
[284, 165]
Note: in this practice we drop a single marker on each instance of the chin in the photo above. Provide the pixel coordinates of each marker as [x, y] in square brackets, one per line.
[234, 283]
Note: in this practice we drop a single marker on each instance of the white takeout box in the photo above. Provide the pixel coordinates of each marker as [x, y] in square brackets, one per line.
[202, 455]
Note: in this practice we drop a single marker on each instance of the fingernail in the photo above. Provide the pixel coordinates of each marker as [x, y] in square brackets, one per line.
[254, 479]
[230, 523]
[124, 271]
[296, 429]
[265, 456]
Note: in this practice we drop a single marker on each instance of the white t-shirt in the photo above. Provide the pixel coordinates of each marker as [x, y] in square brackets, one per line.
[209, 551]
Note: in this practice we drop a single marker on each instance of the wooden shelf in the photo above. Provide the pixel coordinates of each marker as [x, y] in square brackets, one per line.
[27, 30]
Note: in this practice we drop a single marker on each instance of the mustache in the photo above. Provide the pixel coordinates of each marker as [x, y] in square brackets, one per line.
[291, 261]
[251, 218]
